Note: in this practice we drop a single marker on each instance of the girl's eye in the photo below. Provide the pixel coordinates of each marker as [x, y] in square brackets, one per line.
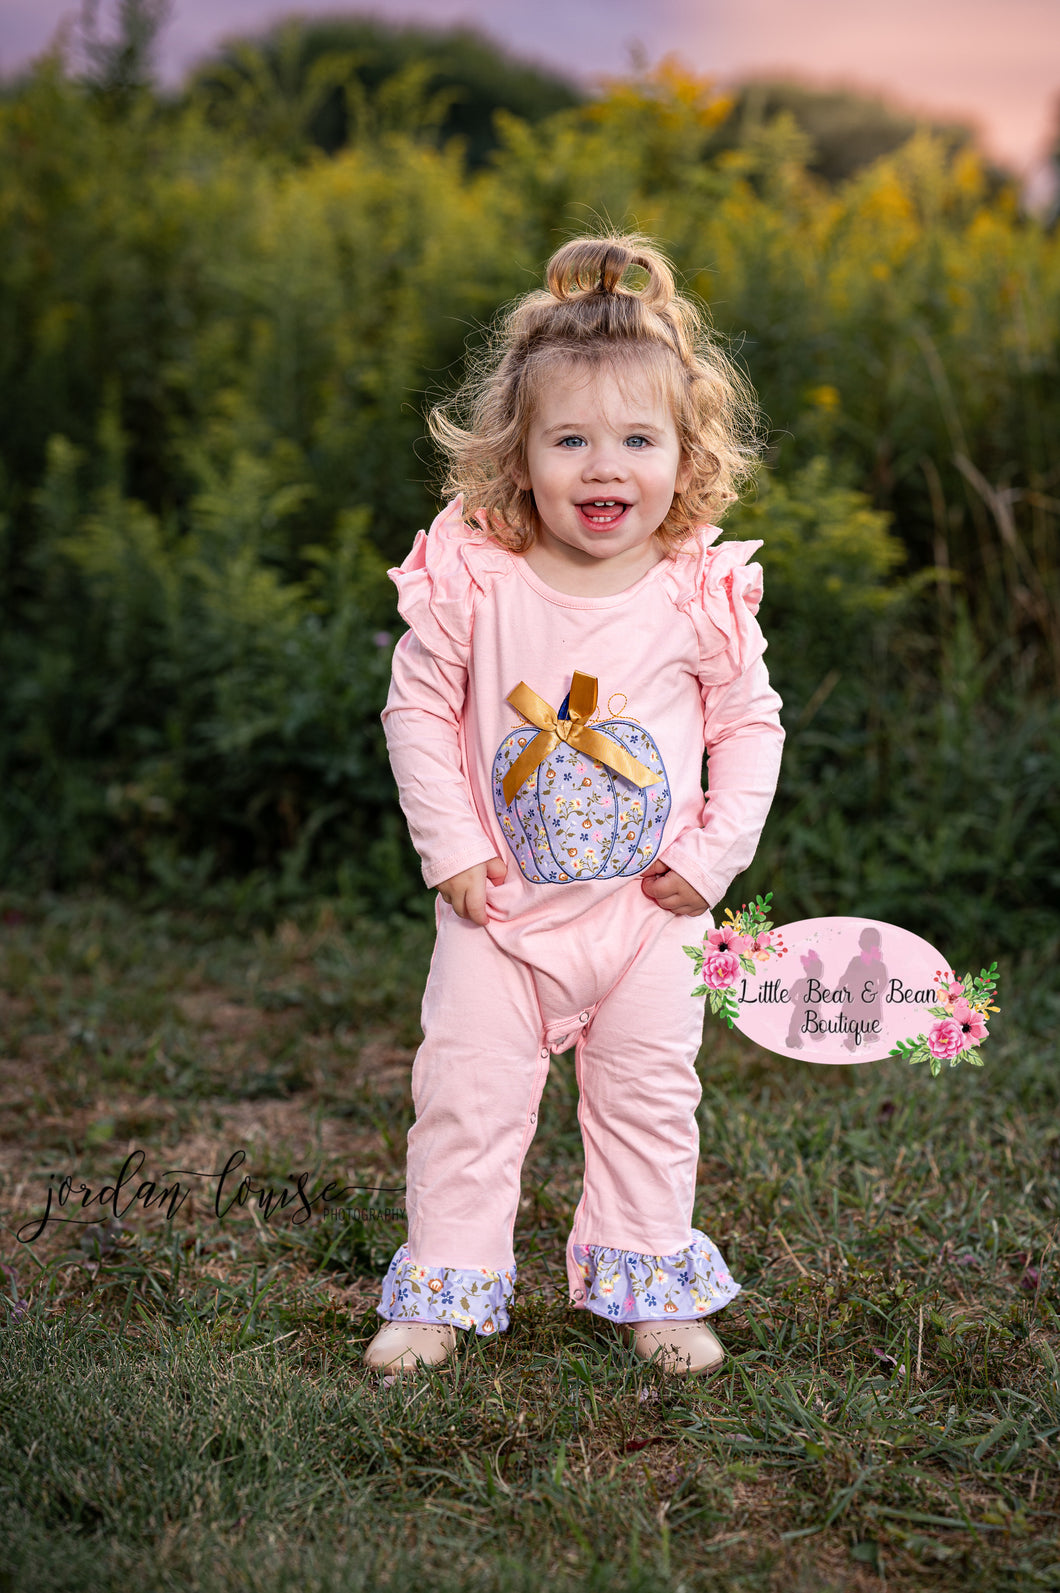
[637, 441]
[572, 442]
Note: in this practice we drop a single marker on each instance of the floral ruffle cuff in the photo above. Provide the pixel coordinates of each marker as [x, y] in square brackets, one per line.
[468, 1297]
[630, 1287]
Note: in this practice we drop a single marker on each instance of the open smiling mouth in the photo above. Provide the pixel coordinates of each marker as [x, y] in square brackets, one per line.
[600, 514]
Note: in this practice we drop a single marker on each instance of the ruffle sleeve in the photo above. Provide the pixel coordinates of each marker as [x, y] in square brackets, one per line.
[720, 592]
[442, 580]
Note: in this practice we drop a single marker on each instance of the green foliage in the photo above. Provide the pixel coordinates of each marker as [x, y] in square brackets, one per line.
[236, 711]
[830, 558]
[215, 349]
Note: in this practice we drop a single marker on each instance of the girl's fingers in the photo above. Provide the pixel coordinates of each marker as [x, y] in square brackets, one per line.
[676, 896]
[475, 903]
[671, 892]
[466, 892]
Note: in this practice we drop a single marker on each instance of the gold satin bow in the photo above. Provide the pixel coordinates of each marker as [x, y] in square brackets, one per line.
[574, 731]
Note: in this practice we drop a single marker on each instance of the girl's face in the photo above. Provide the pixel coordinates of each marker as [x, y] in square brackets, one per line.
[603, 461]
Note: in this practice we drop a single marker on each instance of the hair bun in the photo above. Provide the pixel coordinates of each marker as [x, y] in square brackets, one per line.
[597, 265]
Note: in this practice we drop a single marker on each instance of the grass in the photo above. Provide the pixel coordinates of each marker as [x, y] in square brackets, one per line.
[184, 1405]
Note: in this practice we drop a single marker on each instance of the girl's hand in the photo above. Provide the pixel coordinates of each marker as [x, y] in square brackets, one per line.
[466, 891]
[671, 892]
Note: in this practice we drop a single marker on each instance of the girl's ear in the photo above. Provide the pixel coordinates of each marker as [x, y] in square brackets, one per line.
[684, 473]
[521, 476]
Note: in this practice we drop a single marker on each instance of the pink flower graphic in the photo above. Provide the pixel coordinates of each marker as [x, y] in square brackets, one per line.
[973, 1025]
[721, 969]
[729, 940]
[763, 940]
[946, 1038]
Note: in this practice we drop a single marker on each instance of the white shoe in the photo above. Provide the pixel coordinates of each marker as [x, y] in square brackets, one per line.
[684, 1349]
[405, 1346]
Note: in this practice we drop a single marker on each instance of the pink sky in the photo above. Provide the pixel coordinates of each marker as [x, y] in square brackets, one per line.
[996, 62]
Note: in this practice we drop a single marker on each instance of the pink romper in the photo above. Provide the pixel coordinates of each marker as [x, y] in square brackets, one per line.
[573, 952]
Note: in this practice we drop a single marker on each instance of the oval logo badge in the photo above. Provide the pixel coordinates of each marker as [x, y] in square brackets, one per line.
[842, 990]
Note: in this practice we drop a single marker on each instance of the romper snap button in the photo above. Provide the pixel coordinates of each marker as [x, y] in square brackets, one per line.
[544, 1056]
[583, 1017]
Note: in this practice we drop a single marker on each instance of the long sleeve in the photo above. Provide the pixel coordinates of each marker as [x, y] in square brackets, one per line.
[744, 738]
[438, 586]
[719, 592]
[422, 724]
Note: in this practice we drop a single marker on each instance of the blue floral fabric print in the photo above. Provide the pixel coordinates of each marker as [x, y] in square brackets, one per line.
[577, 819]
[627, 1286]
[468, 1297]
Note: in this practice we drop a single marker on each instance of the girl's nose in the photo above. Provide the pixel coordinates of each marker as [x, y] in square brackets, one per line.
[605, 464]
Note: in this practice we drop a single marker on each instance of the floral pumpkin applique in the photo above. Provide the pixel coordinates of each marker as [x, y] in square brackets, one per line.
[593, 804]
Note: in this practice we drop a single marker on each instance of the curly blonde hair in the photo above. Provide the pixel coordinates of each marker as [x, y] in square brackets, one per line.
[589, 316]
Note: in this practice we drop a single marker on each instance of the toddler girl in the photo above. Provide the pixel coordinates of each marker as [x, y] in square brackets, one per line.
[575, 642]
